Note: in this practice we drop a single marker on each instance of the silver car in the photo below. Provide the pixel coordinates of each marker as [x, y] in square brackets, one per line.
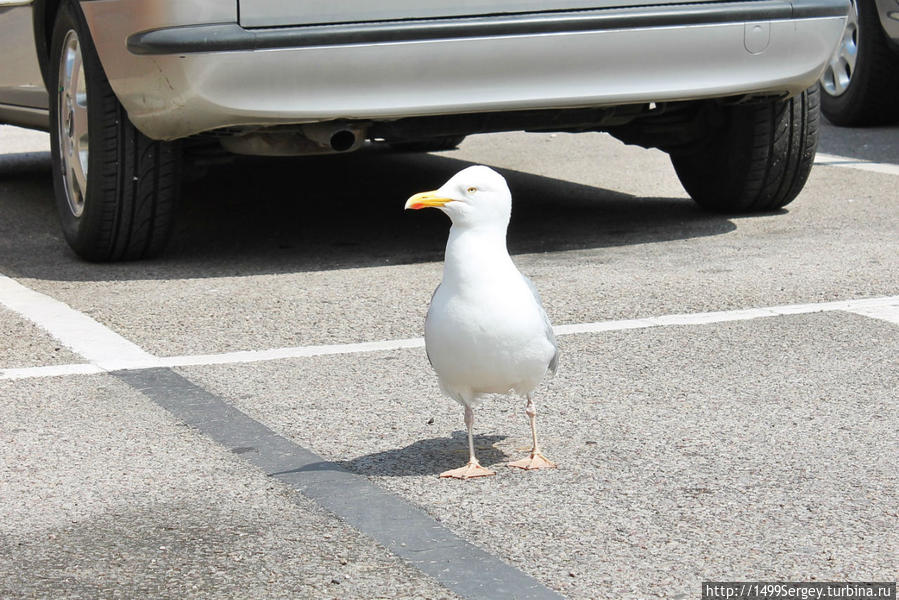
[727, 88]
[861, 83]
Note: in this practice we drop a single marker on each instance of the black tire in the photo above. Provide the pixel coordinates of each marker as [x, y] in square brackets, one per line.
[872, 93]
[434, 144]
[126, 209]
[758, 159]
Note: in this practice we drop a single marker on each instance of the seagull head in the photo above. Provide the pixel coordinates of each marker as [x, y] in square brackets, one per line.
[474, 197]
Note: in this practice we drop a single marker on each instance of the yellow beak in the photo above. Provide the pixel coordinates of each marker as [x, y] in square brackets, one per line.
[425, 200]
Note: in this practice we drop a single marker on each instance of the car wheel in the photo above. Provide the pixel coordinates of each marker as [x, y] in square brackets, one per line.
[861, 82]
[434, 144]
[757, 158]
[115, 188]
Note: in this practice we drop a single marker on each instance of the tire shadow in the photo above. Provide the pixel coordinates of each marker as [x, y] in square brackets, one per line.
[259, 216]
[876, 144]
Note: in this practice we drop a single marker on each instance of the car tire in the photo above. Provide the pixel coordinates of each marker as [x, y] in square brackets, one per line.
[434, 144]
[861, 84]
[757, 158]
[125, 209]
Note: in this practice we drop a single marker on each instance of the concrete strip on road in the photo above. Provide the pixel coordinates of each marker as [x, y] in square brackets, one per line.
[391, 521]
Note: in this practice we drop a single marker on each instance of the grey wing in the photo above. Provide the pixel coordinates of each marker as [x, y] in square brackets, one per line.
[554, 361]
[428, 316]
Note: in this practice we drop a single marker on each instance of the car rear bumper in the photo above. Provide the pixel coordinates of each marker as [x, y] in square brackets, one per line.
[178, 80]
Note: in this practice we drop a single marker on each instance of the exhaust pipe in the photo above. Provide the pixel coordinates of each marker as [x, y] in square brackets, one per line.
[335, 137]
[316, 138]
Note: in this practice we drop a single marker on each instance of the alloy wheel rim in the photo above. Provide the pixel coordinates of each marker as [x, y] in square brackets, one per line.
[839, 71]
[72, 123]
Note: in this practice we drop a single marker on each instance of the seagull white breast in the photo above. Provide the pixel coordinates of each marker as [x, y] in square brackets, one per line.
[486, 330]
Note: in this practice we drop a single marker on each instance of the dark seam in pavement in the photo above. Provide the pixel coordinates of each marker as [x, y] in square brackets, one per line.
[388, 519]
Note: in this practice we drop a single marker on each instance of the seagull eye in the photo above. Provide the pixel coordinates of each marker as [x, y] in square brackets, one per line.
[472, 190]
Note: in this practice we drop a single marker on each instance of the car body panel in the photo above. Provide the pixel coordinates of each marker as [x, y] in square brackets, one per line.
[630, 55]
[177, 94]
[23, 97]
[271, 13]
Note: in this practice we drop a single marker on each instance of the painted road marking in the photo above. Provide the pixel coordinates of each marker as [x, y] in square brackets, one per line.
[51, 371]
[832, 160]
[885, 312]
[728, 315]
[400, 526]
[105, 350]
[97, 343]
[289, 352]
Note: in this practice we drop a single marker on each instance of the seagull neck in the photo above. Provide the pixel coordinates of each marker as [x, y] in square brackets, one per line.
[472, 253]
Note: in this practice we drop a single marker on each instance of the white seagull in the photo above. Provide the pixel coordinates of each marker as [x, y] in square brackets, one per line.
[486, 331]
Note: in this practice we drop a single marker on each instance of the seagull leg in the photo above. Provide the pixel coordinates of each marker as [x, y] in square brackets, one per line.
[536, 460]
[473, 468]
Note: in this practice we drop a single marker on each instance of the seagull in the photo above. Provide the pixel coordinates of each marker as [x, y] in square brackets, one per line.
[486, 331]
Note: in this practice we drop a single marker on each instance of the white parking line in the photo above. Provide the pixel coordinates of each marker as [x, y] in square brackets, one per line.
[832, 160]
[290, 352]
[857, 306]
[106, 350]
[886, 312]
[51, 371]
[97, 343]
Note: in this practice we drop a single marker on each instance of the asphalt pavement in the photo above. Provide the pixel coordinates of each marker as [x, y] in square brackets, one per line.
[726, 407]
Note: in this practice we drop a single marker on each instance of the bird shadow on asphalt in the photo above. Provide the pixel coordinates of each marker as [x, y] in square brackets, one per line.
[266, 216]
[423, 457]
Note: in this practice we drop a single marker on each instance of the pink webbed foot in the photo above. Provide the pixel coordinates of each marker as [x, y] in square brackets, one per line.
[470, 471]
[535, 461]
